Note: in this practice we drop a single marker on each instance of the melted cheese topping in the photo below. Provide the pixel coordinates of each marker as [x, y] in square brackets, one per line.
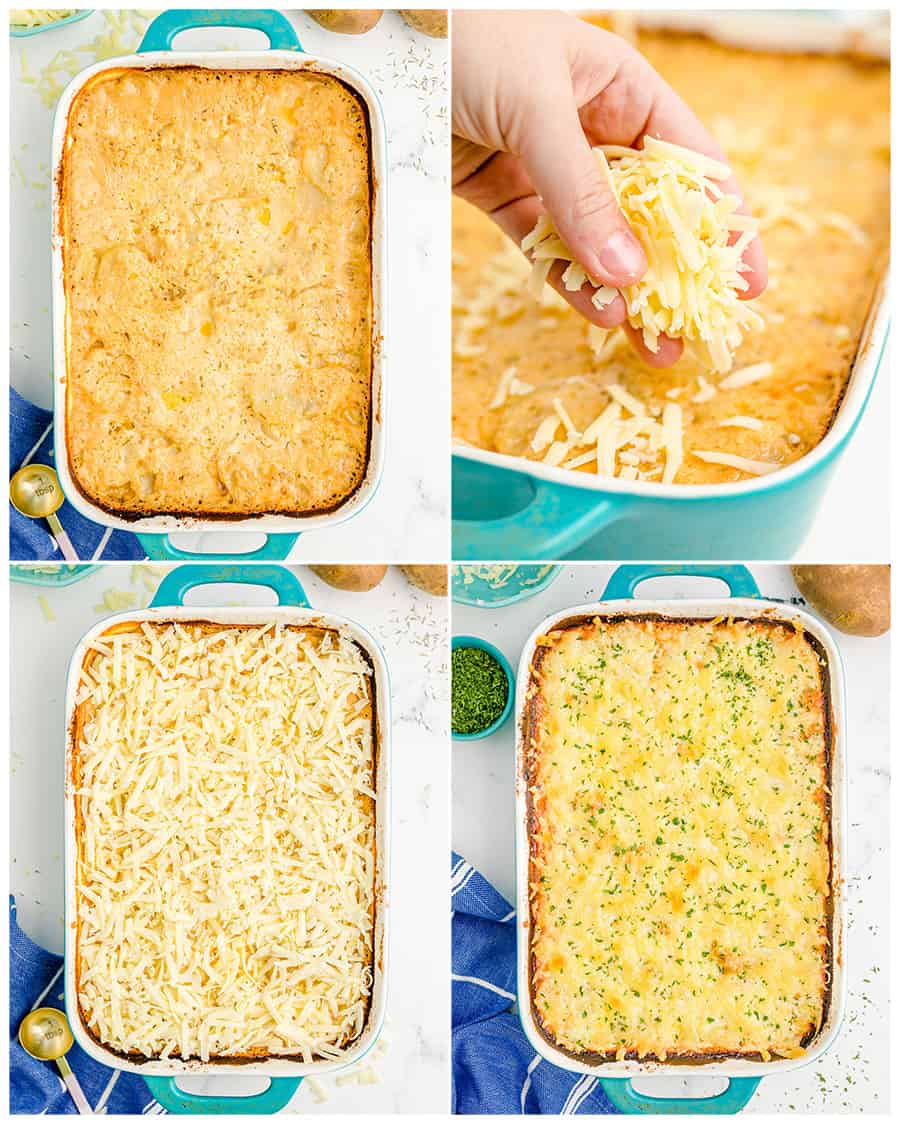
[680, 869]
[693, 236]
[827, 154]
[217, 250]
[226, 834]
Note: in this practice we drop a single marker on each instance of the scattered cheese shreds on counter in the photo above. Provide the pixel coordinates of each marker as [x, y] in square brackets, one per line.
[691, 290]
[46, 608]
[148, 575]
[319, 1092]
[122, 34]
[114, 601]
[359, 1076]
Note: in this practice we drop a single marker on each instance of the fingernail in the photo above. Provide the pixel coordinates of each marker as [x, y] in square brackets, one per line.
[622, 257]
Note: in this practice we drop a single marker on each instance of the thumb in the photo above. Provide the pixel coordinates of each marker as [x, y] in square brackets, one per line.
[565, 173]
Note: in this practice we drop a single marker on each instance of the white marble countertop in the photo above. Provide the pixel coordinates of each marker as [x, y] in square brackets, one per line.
[406, 519]
[853, 1076]
[412, 1058]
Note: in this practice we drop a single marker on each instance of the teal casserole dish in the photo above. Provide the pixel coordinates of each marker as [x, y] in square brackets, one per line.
[158, 50]
[511, 508]
[508, 508]
[283, 1072]
[622, 598]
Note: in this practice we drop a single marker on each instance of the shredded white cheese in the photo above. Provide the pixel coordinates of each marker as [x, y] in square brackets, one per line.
[225, 874]
[746, 375]
[733, 461]
[545, 433]
[705, 391]
[508, 385]
[742, 422]
[39, 17]
[672, 200]
[497, 575]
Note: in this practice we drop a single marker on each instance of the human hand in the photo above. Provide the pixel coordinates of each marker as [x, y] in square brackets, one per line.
[533, 92]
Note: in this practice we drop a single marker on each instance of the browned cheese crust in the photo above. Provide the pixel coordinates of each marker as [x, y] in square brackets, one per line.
[678, 778]
[217, 236]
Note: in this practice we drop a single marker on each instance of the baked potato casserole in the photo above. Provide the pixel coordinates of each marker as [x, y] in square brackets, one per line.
[678, 802]
[808, 138]
[217, 259]
[225, 841]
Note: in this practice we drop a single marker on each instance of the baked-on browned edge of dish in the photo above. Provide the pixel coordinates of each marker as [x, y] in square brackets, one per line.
[81, 715]
[133, 515]
[529, 722]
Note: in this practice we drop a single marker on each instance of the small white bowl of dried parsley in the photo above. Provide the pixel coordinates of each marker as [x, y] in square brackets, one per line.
[481, 692]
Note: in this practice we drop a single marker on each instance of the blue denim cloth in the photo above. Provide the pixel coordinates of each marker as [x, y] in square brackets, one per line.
[31, 431]
[36, 980]
[495, 1068]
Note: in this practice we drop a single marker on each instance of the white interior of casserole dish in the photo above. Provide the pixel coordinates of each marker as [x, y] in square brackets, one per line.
[272, 1067]
[764, 31]
[231, 60]
[692, 608]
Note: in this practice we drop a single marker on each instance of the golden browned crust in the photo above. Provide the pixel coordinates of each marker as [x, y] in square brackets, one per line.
[217, 258]
[84, 711]
[544, 904]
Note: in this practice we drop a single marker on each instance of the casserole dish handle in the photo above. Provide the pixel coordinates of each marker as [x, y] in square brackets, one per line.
[626, 579]
[178, 582]
[276, 27]
[626, 1099]
[161, 547]
[275, 1097]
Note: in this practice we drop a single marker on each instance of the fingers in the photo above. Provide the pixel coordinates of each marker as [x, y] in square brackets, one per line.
[517, 219]
[668, 351]
[501, 188]
[558, 160]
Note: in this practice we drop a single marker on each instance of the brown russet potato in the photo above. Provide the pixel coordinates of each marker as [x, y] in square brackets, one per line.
[854, 599]
[356, 579]
[432, 22]
[346, 21]
[431, 579]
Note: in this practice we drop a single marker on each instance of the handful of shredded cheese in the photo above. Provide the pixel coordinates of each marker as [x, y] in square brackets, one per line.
[691, 291]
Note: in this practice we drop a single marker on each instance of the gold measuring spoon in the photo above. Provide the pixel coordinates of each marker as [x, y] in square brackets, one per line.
[45, 1034]
[35, 492]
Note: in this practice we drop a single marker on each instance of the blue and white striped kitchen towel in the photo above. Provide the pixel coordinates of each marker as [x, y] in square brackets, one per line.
[35, 981]
[495, 1068]
[31, 440]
